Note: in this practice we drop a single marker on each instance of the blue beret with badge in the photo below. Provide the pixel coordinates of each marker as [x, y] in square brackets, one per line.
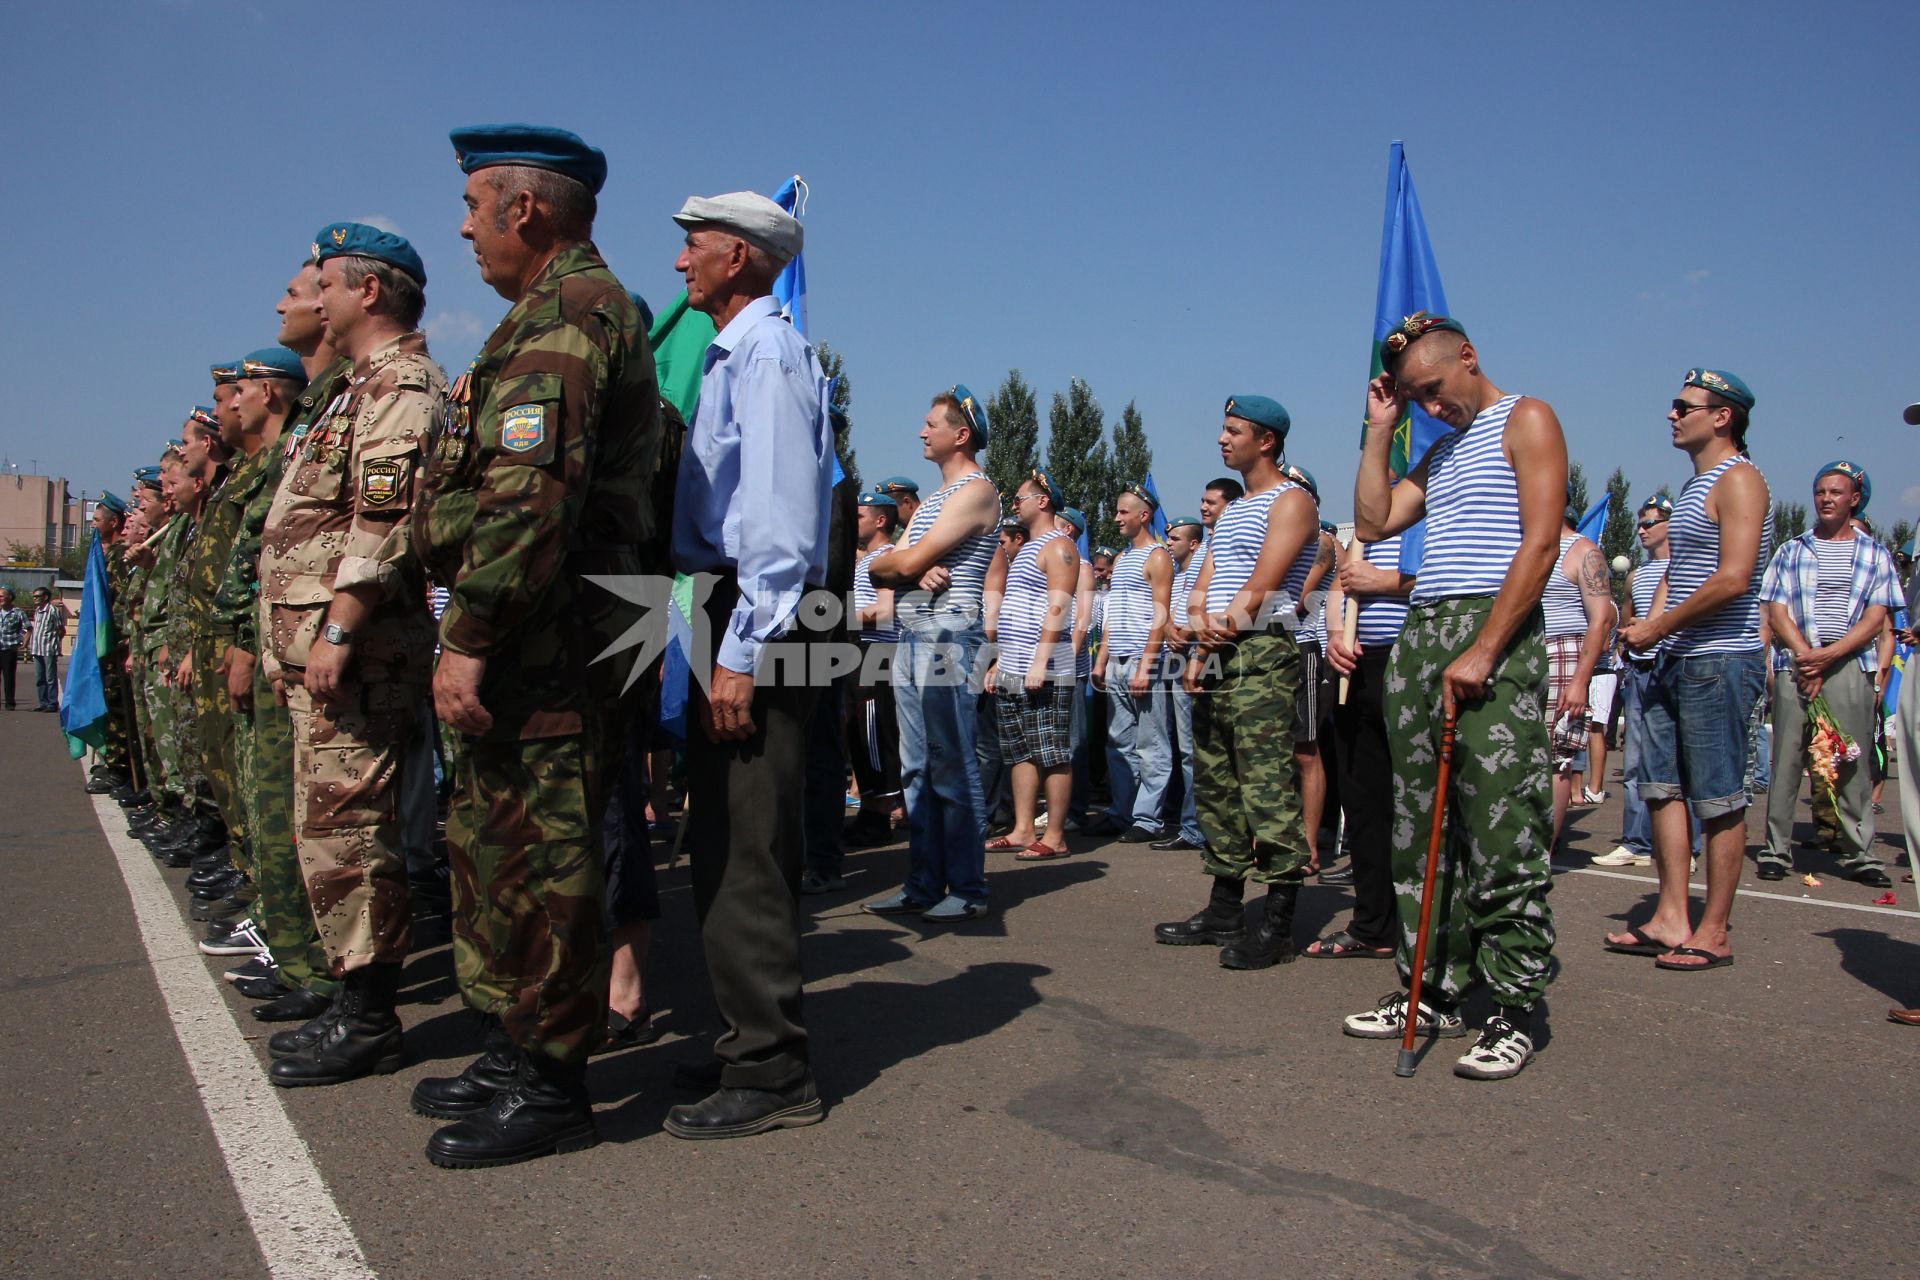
[1261, 411]
[358, 240]
[147, 476]
[1854, 472]
[872, 499]
[1722, 384]
[273, 362]
[1304, 478]
[113, 502]
[1659, 502]
[486, 146]
[225, 373]
[901, 484]
[1104, 550]
[205, 416]
[1185, 522]
[1074, 517]
[975, 411]
[1411, 329]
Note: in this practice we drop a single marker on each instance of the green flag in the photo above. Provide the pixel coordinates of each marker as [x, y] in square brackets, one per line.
[680, 339]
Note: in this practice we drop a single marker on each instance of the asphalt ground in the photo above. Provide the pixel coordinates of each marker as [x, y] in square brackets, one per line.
[1041, 1093]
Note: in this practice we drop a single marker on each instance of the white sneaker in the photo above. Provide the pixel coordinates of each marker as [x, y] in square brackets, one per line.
[1624, 856]
[1592, 797]
[1500, 1052]
[1388, 1020]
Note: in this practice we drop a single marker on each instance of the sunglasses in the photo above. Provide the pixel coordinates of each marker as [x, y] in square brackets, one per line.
[1648, 524]
[1685, 407]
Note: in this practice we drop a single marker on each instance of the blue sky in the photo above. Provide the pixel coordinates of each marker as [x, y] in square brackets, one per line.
[1172, 202]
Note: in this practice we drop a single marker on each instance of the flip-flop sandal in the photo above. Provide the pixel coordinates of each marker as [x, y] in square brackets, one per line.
[1712, 961]
[1344, 946]
[1000, 844]
[1643, 944]
[1040, 851]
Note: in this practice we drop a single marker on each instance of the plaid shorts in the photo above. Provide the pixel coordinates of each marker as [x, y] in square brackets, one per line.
[1570, 737]
[1035, 727]
[1306, 707]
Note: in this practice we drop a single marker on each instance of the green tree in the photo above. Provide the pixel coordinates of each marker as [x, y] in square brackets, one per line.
[834, 365]
[1013, 419]
[1577, 489]
[1617, 537]
[1896, 537]
[1789, 521]
[1077, 456]
[1131, 459]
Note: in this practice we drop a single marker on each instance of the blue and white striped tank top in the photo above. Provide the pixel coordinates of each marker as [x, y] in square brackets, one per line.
[1694, 540]
[1641, 585]
[1565, 609]
[864, 597]
[1473, 510]
[1833, 586]
[1238, 535]
[1128, 617]
[1183, 581]
[958, 607]
[1381, 617]
[1023, 611]
[1293, 585]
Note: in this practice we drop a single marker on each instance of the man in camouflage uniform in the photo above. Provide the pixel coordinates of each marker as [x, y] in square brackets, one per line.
[349, 630]
[540, 479]
[282, 915]
[118, 773]
[168, 667]
[158, 819]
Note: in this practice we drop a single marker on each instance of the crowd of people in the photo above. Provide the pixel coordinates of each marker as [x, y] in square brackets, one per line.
[353, 593]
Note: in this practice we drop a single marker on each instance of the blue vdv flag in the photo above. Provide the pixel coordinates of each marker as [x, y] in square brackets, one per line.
[1409, 282]
[83, 707]
[1159, 525]
[1594, 523]
[790, 289]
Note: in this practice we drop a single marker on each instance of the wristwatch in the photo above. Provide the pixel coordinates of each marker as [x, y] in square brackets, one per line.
[336, 634]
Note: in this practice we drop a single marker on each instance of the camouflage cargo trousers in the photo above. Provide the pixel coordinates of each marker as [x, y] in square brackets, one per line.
[143, 735]
[163, 711]
[1490, 914]
[118, 752]
[1246, 784]
[213, 738]
[282, 911]
[346, 814]
[524, 852]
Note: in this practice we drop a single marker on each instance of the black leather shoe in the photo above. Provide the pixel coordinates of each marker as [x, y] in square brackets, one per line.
[262, 988]
[284, 1044]
[226, 908]
[1174, 841]
[1770, 871]
[212, 882]
[1270, 941]
[473, 1090]
[1343, 876]
[363, 1039]
[741, 1113]
[1137, 834]
[544, 1112]
[297, 1005]
[1222, 921]
[1872, 875]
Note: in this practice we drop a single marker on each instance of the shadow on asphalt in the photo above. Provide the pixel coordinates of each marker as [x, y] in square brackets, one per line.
[1890, 966]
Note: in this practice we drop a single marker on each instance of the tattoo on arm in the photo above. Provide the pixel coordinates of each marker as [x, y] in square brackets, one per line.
[1325, 555]
[1593, 576]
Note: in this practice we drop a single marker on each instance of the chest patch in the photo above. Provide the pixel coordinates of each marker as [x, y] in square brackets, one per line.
[380, 481]
[523, 428]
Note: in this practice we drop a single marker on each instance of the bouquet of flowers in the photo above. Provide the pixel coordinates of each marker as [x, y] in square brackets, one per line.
[1829, 748]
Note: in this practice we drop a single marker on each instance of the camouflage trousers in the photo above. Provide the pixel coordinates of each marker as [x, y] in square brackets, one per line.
[282, 911]
[143, 734]
[164, 712]
[1490, 914]
[118, 752]
[346, 816]
[526, 862]
[214, 738]
[1246, 784]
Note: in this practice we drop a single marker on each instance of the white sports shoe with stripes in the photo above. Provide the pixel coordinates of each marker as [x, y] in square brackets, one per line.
[1500, 1052]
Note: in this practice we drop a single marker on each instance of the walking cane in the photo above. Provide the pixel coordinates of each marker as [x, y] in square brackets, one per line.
[1349, 625]
[1406, 1064]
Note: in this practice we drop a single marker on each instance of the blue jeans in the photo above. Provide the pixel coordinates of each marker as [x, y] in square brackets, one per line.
[1636, 824]
[46, 670]
[1183, 744]
[1139, 750]
[936, 701]
[1697, 730]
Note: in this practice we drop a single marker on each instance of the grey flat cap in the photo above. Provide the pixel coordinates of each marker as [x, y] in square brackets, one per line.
[749, 215]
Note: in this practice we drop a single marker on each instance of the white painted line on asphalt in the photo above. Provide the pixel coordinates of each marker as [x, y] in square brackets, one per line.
[300, 1230]
[1747, 893]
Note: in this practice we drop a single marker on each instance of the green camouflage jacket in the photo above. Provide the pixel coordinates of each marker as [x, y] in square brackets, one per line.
[153, 603]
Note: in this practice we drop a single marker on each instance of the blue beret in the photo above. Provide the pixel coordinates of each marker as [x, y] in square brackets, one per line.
[1413, 327]
[1055, 499]
[273, 362]
[1104, 550]
[1906, 548]
[1328, 526]
[646, 312]
[872, 499]
[1659, 502]
[1304, 478]
[1854, 472]
[205, 416]
[147, 476]
[1011, 524]
[358, 240]
[1143, 493]
[1178, 522]
[225, 373]
[1722, 384]
[975, 411]
[900, 484]
[1261, 411]
[1074, 517]
[482, 146]
[113, 502]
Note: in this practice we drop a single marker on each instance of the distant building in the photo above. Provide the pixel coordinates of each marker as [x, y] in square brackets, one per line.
[38, 511]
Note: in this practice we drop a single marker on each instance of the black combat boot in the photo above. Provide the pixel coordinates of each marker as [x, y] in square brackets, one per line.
[284, 1044]
[364, 1038]
[490, 1074]
[1223, 920]
[1270, 941]
[545, 1111]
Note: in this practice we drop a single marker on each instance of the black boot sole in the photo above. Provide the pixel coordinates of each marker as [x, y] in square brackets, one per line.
[797, 1116]
[1257, 962]
[1202, 939]
[577, 1139]
[381, 1067]
[446, 1110]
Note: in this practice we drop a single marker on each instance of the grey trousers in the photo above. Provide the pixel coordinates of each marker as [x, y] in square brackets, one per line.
[1849, 691]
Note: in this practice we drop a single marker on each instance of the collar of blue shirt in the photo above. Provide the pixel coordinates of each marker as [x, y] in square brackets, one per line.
[728, 338]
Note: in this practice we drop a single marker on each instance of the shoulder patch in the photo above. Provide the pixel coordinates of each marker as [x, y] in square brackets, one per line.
[380, 480]
[523, 428]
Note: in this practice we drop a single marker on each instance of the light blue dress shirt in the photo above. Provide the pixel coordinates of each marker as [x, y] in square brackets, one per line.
[757, 477]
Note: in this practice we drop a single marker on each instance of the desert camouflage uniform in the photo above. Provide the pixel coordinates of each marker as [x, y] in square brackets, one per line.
[542, 476]
[1247, 790]
[339, 520]
[1490, 914]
